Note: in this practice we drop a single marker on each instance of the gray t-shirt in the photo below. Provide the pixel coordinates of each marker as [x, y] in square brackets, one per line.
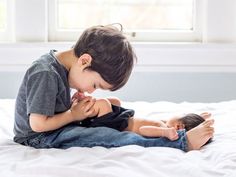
[44, 90]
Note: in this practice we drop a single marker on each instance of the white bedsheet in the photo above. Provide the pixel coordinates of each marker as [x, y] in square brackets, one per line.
[215, 160]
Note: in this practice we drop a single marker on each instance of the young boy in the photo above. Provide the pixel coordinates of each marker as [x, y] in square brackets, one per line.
[102, 58]
[109, 113]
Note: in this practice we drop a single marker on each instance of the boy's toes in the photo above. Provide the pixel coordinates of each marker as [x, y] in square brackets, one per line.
[205, 115]
[208, 122]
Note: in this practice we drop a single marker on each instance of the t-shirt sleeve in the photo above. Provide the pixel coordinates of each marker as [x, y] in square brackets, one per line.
[42, 89]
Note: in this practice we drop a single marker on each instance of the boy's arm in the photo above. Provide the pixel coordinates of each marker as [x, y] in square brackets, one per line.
[42, 123]
[79, 111]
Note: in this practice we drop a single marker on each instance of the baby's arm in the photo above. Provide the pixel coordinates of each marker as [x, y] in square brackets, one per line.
[151, 128]
[154, 131]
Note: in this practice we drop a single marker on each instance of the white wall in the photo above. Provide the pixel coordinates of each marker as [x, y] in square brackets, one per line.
[173, 72]
[219, 23]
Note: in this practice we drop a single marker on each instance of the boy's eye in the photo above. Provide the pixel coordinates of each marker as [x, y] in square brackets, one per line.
[94, 86]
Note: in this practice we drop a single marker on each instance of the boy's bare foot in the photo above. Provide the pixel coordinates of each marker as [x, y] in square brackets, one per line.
[171, 133]
[199, 135]
[205, 115]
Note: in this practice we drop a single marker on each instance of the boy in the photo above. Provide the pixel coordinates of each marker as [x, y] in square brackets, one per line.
[109, 113]
[102, 58]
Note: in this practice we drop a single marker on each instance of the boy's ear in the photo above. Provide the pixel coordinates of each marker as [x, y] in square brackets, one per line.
[85, 60]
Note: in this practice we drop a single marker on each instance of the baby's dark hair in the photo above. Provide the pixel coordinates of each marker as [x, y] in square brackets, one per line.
[192, 120]
[112, 54]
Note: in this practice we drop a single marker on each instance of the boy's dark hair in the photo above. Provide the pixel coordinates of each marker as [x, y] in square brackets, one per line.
[192, 120]
[112, 54]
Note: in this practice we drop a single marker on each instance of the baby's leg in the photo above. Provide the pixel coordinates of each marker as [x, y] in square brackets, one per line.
[102, 106]
[115, 101]
[199, 135]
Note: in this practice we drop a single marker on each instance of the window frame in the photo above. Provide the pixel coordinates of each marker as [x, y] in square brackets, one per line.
[7, 35]
[195, 35]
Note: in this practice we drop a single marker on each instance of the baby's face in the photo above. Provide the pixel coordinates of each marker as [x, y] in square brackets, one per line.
[175, 122]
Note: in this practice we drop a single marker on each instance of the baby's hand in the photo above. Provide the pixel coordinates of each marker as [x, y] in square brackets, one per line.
[171, 134]
[83, 109]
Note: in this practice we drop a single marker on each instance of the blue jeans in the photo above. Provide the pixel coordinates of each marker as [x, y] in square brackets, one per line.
[75, 136]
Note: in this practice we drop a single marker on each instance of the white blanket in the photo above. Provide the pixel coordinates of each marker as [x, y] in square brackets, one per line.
[216, 159]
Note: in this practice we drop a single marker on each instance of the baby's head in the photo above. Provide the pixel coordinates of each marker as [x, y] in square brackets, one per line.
[186, 122]
[112, 54]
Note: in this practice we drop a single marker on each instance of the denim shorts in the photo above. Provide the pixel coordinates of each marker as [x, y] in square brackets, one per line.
[73, 135]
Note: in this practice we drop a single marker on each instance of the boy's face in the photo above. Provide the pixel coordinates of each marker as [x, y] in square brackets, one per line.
[85, 80]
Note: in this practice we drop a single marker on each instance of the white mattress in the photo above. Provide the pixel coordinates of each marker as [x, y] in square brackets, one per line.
[216, 159]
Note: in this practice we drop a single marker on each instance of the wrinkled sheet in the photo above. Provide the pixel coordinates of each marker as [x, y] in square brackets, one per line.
[214, 160]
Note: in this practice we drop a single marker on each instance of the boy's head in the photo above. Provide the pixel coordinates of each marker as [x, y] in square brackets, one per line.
[112, 55]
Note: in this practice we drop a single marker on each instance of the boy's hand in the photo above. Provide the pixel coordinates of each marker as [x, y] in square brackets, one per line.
[83, 109]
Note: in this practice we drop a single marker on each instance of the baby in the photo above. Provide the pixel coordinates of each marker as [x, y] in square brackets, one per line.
[109, 113]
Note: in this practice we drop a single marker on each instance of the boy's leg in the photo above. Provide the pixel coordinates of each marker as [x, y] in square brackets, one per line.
[205, 115]
[75, 136]
[200, 134]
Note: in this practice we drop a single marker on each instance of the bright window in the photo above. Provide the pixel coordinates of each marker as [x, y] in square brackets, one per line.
[142, 19]
[6, 19]
[3, 15]
[133, 14]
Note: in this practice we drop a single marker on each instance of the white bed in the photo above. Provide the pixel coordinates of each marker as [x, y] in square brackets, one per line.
[215, 160]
